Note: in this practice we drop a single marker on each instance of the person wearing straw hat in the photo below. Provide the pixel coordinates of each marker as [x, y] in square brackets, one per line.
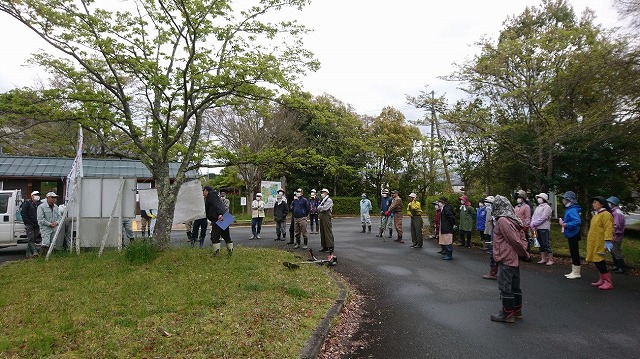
[49, 216]
[414, 210]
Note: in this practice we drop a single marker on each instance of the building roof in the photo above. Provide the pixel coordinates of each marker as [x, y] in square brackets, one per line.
[57, 167]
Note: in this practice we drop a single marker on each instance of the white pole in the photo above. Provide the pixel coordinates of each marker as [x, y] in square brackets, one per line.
[113, 210]
[78, 207]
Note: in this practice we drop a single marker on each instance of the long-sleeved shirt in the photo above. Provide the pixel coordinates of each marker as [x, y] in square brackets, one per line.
[481, 217]
[523, 211]
[396, 205]
[300, 207]
[541, 217]
[618, 224]
[365, 206]
[414, 209]
[325, 205]
[509, 242]
[257, 208]
[572, 220]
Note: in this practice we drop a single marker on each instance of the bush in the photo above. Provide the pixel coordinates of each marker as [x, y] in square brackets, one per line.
[140, 252]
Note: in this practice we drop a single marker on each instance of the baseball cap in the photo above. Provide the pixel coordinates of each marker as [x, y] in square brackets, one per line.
[52, 194]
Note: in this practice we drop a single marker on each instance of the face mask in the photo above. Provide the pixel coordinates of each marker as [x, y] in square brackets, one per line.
[566, 203]
[462, 202]
[222, 196]
[440, 204]
[540, 201]
[385, 195]
[36, 198]
[436, 206]
[519, 200]
[323, 195]
[480, 204]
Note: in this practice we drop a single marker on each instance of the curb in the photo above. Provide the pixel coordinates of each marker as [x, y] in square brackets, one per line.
[312, 348]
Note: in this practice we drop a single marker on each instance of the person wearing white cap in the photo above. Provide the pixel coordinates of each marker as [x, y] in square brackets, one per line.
[257, 216]
[48, 220]
[313, 212]
[365, 208]
[326, 228]
[414, 210]
[541, 225]
[29, 212]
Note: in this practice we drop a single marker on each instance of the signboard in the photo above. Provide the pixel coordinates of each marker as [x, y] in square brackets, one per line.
[243, 201]
[269, 192]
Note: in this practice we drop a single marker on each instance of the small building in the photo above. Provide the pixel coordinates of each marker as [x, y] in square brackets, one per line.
[47, 174]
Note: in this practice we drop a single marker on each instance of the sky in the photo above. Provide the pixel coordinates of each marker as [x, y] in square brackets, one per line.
[372, 53]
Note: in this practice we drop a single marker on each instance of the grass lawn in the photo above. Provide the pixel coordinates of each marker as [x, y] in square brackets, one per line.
[185, 303]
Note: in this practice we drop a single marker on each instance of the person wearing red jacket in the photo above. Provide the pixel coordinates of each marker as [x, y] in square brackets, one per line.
[509, 247]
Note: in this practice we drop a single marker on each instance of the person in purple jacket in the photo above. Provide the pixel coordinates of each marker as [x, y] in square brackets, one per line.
[618, 233]
[541, 224]
[509, 247]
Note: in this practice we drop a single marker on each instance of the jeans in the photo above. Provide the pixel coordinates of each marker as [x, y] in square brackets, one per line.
[281, 228]
[544, 239]
[256, 225]
[199, 230]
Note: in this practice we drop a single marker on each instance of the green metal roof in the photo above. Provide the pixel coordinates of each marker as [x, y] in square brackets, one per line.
[56, 167]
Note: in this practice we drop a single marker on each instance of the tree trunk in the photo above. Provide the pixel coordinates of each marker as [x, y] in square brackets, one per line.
[167, 195]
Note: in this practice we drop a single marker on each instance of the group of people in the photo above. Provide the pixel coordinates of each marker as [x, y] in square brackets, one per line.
[41, 220]
[316, 211]
[509, 231]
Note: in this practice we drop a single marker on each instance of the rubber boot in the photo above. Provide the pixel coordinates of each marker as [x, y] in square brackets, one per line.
[305, 243]
[369, 228]
[311, 227]
[443, 250]
[363, 228]
[575, 273]
[380, 233]
[216, 249]
[189, 236]
[493, 273]
[608, 283]
[505, 315]
[621, 267]
[449, 253]
[390, 232]
[230, 248]
[517, 307]
[599, 282]
[550, 261]
[543, 255]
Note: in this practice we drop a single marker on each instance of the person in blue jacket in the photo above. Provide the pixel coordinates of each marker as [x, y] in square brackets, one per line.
[385, 221]
[571, 224]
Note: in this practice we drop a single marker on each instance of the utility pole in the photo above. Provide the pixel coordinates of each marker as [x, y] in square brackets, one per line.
[435, 123]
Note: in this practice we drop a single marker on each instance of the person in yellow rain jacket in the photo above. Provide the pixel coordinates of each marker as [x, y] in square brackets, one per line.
[600, 237]
[414, 210]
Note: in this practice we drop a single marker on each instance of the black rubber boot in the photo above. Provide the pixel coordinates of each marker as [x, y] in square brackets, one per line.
[363, 228]
[390, 232]
[505, 315]
[380, 234]
[369, 228]
[621, 267]
[517, 306]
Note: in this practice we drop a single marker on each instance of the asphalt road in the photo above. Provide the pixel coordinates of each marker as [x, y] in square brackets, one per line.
[419, 306]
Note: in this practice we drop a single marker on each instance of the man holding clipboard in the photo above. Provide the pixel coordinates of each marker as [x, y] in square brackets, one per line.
[220, 219]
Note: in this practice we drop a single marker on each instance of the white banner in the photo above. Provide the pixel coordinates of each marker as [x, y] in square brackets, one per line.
[76, 168]
[189, 203]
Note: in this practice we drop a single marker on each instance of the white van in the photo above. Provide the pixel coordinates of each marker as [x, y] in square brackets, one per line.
[12, 229]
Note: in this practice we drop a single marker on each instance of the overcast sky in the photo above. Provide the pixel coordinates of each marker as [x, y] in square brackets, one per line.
[372, 52]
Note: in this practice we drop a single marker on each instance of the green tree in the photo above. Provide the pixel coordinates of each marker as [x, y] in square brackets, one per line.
[549, 79]
[164, 63]
[391, 144]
